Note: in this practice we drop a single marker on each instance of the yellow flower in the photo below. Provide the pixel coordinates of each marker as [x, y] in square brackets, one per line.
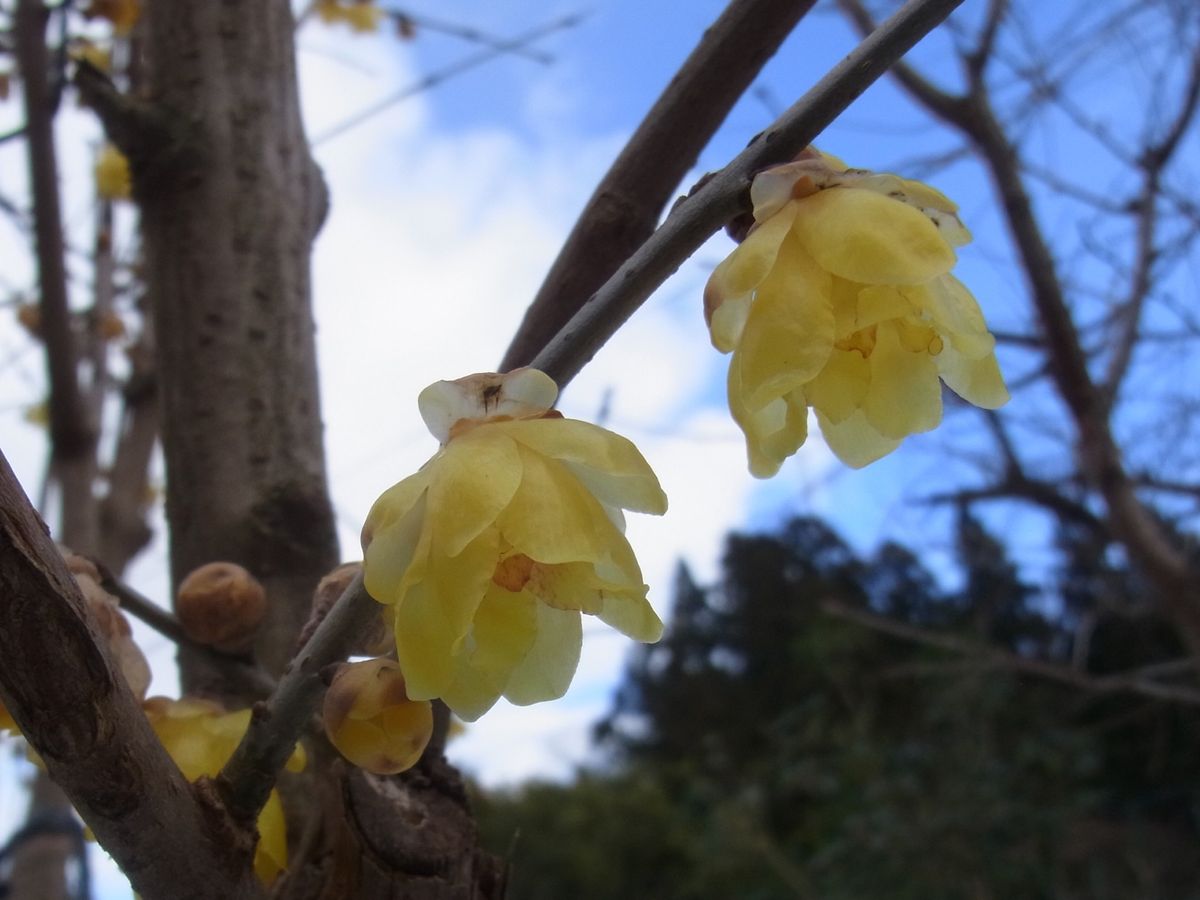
[372, 722]
[841, 299]
[490, 553]
[360, 15]
[200, 738]
[112, 174]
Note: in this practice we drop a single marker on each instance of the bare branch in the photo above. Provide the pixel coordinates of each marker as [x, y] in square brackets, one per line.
[725, 195]
[977, 60]
[74, 707]
[986, 656]
[73, 430]
[627, 203]
[1100, 458]
[1153, 160]
[939, 101]
[276, 725]
[444, 74]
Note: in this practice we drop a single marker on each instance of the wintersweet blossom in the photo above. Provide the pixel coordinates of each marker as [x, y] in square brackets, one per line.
[840, 298]
[200, 737]
[489, 554]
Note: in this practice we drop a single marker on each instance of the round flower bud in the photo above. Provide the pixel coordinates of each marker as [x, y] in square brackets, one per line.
[370, 720]
[222, 605]
[376, 641]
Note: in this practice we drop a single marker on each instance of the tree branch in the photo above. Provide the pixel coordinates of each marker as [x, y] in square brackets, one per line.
[626, 205]
[276, 725]
[72, 429]
[74, 708]
[1177, 581]
[725, 195]
[984, 655]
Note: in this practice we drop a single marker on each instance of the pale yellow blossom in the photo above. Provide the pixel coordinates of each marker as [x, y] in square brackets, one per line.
[840, 299]
[490, 553]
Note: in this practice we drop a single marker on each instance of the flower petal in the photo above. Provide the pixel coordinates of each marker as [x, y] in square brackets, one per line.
[841, 386]
[504, 630]
[744, 269]
[774, 432]
[476, 476]
[789, 334]
[552, 518]
[390, 544]
[547, 669]
[854, 441]
[866, 237]
[521, 392]
[608, 465]
[905, 396]
[977, 381]
[436, 613]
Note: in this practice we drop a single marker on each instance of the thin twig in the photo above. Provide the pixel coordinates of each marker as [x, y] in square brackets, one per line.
[725, 195]
[444, 74]
[247, 778]
[989, 656]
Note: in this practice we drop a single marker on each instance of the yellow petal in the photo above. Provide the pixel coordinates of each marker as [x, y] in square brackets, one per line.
[862, 236]
[608, 465]
[977, 381]
[504, 630]
[436, 614]
[552, 518]
[879, 303]
[854, 441]
[774, 432]
[632, 616]
[475, 478]
[547, 669]
[955, 313]
[841, 386]
[728, 321]
[270, 856]
[744, 269]
[905, 396]
[789, 334]
[390, 543]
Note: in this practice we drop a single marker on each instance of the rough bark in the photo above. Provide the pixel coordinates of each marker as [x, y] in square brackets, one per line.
[74, 708]
[229, 209]
[38, 865]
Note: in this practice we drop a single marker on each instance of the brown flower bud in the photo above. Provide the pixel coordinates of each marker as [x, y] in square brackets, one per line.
[222, 605]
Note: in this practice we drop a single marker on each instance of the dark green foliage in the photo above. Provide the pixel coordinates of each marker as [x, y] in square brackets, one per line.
[764, 749]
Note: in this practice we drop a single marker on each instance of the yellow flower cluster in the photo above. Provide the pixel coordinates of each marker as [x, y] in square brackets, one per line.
[360, 15]
[491, 552]
[200, 737]
[841, 299]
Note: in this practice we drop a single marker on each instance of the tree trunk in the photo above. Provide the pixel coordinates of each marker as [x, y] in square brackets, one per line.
[231, 202]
